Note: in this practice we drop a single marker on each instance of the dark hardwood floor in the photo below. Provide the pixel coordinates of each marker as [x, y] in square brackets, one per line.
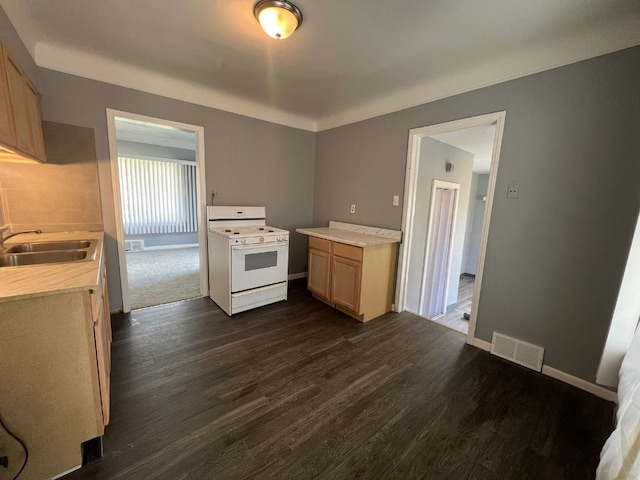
[297, 390]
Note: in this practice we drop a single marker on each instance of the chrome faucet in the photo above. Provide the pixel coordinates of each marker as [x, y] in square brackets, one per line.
[3, 239]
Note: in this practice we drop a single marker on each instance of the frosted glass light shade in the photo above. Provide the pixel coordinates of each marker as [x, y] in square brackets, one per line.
[278, 18]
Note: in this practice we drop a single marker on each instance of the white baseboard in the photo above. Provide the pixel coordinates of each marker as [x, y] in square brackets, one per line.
[296, 276]
[481, 344]
[596, 390]
[592, 388]
[171, 247]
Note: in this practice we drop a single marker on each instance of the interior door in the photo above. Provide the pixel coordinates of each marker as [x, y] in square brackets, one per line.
[440, 237]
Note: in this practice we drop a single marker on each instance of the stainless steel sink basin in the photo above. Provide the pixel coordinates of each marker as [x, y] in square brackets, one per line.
[48, 246]
[39, 258]
[41, 253]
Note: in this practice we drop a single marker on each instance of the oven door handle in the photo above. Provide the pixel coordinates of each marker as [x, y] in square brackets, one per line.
[259, 245]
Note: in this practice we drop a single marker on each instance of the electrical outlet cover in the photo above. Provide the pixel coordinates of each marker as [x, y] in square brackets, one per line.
[512, 191]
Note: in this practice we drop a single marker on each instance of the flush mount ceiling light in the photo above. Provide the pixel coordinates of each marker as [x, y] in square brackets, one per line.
[278, 18]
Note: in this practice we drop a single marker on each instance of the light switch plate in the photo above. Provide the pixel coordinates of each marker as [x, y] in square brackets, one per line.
[396, 200]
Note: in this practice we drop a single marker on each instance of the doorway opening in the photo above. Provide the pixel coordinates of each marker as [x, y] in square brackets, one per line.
[158, 174]
[449, 188]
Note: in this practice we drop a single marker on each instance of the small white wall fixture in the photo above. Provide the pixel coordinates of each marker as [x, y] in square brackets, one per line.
[439, 248]
[201, 194]
[409, 207]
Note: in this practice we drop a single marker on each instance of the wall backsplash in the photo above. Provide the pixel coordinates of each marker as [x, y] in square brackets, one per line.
[60, 195]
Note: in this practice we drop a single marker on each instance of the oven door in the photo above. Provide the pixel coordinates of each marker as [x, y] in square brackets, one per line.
[255, 266]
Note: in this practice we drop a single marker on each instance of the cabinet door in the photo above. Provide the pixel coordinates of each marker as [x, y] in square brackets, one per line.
[319, 273]
[7, 130]
[346, 281]
[32, 102]
[17, 86]
[102, 335]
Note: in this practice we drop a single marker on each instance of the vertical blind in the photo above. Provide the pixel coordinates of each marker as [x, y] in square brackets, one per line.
[158, 196]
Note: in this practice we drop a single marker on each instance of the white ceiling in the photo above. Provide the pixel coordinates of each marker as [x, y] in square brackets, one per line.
[477, 140]
[350, 59]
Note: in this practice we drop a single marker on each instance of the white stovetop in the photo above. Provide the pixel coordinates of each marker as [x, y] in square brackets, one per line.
[245, 232]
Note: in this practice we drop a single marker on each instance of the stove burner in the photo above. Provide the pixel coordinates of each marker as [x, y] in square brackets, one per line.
[228, 231]
[262, 228]
[236, 233]
[270, 231]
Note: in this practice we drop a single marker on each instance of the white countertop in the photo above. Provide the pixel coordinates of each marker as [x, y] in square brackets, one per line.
[358, 235]
[53, 278]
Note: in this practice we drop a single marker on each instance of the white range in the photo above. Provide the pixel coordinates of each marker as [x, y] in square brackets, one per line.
[248, 260]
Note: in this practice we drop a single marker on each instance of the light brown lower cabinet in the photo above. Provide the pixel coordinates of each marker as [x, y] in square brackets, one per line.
[101, 316]
[55, 367]
[358, 281]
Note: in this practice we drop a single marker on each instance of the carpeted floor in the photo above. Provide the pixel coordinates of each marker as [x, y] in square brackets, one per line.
[163, 276]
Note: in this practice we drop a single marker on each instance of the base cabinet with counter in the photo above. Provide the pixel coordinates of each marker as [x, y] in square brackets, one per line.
[54, 374]
[358, 280]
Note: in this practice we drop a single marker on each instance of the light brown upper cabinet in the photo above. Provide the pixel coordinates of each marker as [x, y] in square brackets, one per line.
[7, 129]
[20, 119]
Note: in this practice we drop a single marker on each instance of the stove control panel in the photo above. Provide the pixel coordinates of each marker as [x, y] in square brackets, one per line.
[259, 240]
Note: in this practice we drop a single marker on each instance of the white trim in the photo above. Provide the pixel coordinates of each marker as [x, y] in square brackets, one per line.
[596, 390]
[446, 185]
[486, 74]
[201, 194]
[95, 67]
[517, 65]
[484, 239]
[481, 344]
[171, 247]
[408, 212]
[592, 388]
[296, 276]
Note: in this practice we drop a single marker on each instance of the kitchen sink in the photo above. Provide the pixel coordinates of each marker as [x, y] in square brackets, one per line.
[42, 253]
[39, 258]
[48, 246]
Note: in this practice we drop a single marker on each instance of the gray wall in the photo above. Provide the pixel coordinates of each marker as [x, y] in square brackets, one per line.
[556, 255]
[431, 166]
[248, 161]
[16, 48]
[165, 239]
[479, 188]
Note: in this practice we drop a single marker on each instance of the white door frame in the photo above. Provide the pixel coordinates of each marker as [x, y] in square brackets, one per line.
[452, 186]
[201, 196]
[408, 212]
